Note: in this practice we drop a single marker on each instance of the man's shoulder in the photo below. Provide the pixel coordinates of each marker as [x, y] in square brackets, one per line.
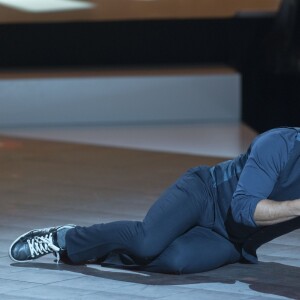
[277, 137]
[273, 147]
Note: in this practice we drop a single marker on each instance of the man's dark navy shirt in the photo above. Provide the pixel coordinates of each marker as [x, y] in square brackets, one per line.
[269, 170]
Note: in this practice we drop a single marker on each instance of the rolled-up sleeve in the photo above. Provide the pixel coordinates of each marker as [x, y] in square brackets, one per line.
[267, 158]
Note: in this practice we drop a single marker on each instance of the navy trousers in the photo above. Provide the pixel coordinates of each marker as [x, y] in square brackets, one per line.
[176, 236]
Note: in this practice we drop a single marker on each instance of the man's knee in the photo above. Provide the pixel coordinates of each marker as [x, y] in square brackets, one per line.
[173, 262]
[147, 248]
[175, 266]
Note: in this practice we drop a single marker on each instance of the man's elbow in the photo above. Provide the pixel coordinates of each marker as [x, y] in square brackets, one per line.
[242, 214]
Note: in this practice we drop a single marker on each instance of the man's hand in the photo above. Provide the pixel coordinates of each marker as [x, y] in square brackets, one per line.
[270, 212]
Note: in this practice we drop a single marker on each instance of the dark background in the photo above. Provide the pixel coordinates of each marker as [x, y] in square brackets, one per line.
[264, 49]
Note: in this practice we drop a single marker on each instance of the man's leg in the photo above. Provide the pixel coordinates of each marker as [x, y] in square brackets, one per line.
[198, 250]
[185, 204]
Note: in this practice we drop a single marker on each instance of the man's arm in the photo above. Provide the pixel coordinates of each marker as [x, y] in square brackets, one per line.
[270, 212]
[268, 156]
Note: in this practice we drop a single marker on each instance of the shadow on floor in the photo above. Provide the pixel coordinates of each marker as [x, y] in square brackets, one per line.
[268, 278]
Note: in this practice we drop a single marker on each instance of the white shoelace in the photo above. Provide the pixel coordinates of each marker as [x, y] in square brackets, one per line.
[41, 245]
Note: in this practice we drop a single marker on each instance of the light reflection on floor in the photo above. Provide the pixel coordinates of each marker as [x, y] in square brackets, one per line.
[212, 139]
[38, 6]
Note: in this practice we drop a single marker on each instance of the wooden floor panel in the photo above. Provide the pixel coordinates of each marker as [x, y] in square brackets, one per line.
[46, 183]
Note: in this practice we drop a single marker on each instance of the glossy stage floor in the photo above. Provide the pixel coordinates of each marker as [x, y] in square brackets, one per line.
[48, 183]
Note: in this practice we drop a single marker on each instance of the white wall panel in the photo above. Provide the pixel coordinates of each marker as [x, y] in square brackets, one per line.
[120, 99]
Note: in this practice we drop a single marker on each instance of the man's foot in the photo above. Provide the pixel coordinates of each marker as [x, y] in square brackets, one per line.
[37, 243]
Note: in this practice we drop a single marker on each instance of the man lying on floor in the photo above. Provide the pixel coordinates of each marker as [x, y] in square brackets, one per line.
[210, 217]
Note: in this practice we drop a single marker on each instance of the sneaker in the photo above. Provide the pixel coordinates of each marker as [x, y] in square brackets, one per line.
[37, 243]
